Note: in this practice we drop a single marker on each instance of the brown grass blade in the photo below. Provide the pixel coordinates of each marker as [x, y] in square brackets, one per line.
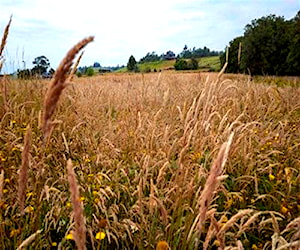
[80, 229]
[1, 184]
[212, 180]
[4, 37]
[27, 241]
[23, 173]
[3, 41]
[74, 69]
[58, 84]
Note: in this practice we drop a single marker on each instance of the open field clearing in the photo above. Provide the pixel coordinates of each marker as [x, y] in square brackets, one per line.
[188, 160]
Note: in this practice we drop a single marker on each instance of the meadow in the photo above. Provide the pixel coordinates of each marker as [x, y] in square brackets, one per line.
[143, 148]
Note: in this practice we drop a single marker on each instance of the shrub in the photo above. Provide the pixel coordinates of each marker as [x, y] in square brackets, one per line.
[90, 71]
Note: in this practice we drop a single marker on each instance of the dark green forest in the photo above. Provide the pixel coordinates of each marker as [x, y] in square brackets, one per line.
[270, 46]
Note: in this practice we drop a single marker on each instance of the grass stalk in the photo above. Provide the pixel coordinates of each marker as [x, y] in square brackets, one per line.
[23, 173]
[80, 228]
[57, 85]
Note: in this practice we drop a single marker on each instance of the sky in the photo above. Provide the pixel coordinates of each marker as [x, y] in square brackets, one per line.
[126, 27]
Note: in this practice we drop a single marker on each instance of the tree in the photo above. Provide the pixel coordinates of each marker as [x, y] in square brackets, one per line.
[270, 46]
[150, 57]
[132, 65]
[90, 71]
[183, 64]
[41, 65]
[51, 71]
[193, 64]
[293, 58]
[233, 64]
[24, 74]
[196, 53]
[170, 55]
[96, 65]
[266, 46]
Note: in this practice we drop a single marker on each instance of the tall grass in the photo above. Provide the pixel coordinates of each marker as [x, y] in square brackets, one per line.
[143, 147]
[166, 160]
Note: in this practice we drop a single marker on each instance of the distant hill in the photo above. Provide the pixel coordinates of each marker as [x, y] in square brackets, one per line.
[211, 63]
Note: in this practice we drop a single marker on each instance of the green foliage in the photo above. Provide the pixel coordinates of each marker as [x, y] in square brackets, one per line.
[270, 46]
[90, 71]
[150, 57]
[266, 46]
[197, 53]
[78, 74]
[182, 64]
[24, 74]
[41, 65]
[293, 59]
[233, 63]
[132, 65]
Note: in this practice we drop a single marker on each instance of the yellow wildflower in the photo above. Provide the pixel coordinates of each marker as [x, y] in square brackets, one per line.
[7, 180]
[271, 177]
[100, 236]
[5, 191]
[54, 244]
[254, 247]
[223, 220]
[68, 204]
[95, 192]
[14, 232]
[217, 243]
[162, 245]
[69, 236]
[29, 209]
[228, 203]
[284, 209]
[82, 198]
[29, 194]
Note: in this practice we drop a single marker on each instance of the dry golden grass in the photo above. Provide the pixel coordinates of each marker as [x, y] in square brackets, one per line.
[4, 38]
[143, 147]
[80, 232]
[24, 169]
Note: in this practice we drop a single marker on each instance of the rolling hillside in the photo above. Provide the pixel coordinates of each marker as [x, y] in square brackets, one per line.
[205, 64]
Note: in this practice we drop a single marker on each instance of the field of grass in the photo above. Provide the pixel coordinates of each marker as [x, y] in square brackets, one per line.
[149, 154]
[211, 63]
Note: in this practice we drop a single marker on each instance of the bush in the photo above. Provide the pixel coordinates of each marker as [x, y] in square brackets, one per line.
[147, 70]
[182, 64]
[90, 71]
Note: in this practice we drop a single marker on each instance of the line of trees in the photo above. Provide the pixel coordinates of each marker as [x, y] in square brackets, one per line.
[41, 69]
[270, 46]
[197, 53]
[185, 54]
